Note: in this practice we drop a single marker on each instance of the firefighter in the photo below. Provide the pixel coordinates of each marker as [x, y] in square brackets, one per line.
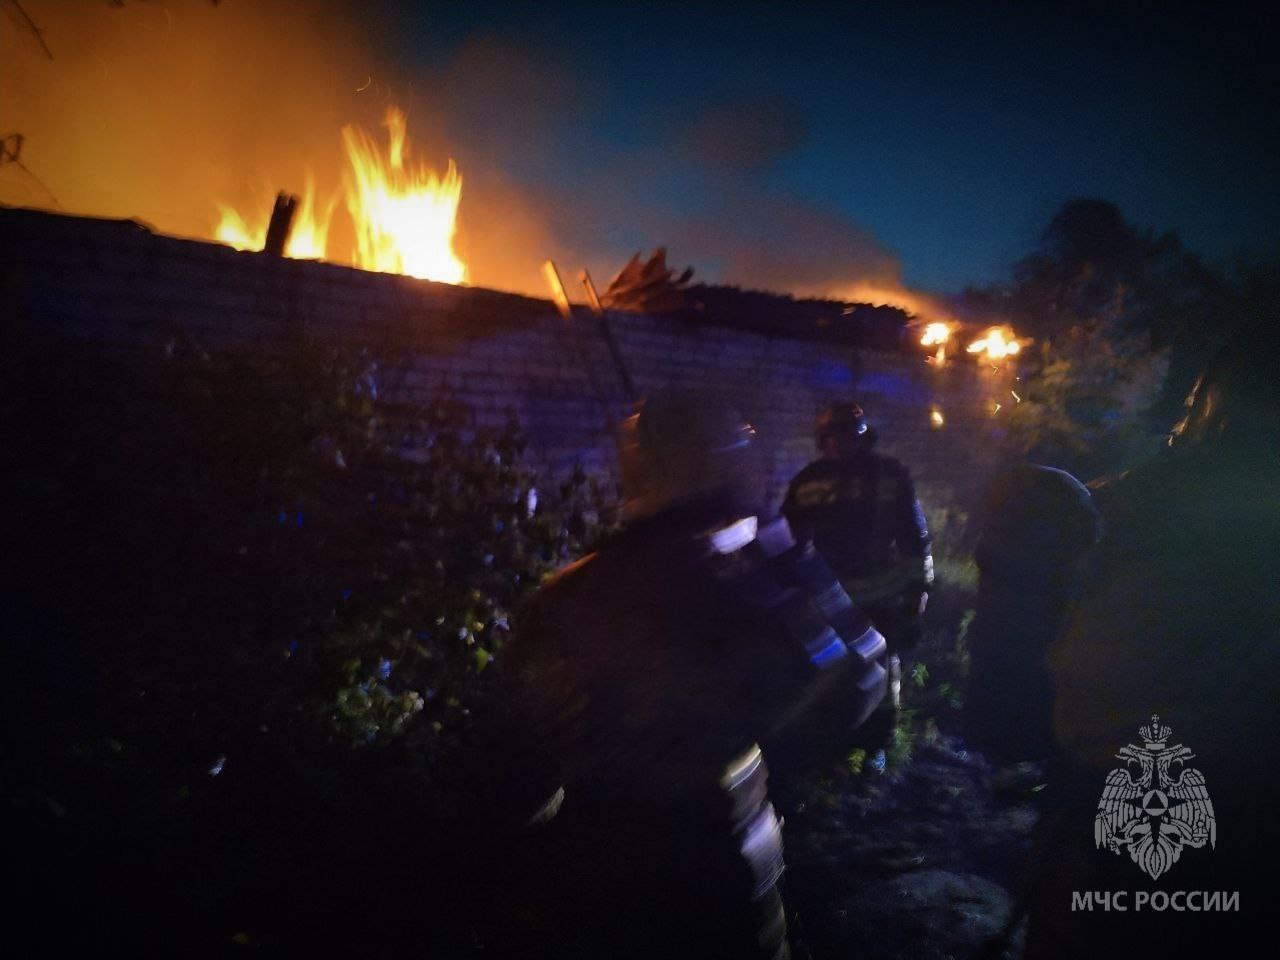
[646, 685]
[860, 510]
[1039, 527]
[1181, 619]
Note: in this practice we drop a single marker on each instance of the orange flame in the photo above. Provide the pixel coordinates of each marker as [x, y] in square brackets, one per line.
[234, 232]
[310, 229]
[405, 216]
[997, 343]
[307, 240]
[935, 333]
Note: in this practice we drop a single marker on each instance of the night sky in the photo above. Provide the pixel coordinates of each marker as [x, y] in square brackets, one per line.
[949, 133]
[811, 151]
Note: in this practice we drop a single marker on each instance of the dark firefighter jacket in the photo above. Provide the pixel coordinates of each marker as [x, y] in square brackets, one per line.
[641, 681]
[863, 516]
[1038, 529]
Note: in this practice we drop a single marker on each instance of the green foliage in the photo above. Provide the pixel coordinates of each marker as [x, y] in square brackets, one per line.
[950, 695]
[919, 674]
[955, 588]
[952, 530]
[1091, 264]
[259, 594]
[1086, 397]
[856, 760]
[962, 637]
[902, 740]
[455, 534]
[930, 734]
[1122, 320]
[274, 542]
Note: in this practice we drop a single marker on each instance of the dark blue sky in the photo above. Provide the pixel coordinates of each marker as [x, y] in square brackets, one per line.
[942, 136]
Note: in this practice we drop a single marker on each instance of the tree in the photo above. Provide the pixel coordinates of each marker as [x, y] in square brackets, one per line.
[1122, 320]
[1092, 263]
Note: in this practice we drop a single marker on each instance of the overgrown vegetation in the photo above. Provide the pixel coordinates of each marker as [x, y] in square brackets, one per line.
[1122, 319]
[256, 596]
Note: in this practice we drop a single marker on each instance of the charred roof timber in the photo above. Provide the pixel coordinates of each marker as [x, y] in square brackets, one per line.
[649, 286]
[664, 294]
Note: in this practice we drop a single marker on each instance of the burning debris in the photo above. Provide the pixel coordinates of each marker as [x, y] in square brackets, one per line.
[997, 343]
[648, 287]
[937, 334]
[404, 214]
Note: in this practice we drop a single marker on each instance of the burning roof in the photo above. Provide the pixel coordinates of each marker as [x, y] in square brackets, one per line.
[404, 213]
[650, 286]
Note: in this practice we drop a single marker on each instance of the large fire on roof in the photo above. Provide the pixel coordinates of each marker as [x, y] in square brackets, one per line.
[404, 213]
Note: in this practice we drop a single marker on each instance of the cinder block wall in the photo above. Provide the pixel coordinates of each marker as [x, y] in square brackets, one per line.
[118, 283]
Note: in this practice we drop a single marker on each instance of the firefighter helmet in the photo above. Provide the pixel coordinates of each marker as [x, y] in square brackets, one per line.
[845, 423]
[683, 445]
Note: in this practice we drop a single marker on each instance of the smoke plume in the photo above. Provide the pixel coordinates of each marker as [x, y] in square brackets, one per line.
[163, 110]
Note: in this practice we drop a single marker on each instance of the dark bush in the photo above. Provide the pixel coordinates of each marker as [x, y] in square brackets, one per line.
[253, 597]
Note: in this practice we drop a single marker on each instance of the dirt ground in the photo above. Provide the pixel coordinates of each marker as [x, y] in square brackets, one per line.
[921, 862]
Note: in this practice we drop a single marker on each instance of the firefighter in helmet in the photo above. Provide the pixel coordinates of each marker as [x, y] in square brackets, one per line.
[646, 684]
[860, 510]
